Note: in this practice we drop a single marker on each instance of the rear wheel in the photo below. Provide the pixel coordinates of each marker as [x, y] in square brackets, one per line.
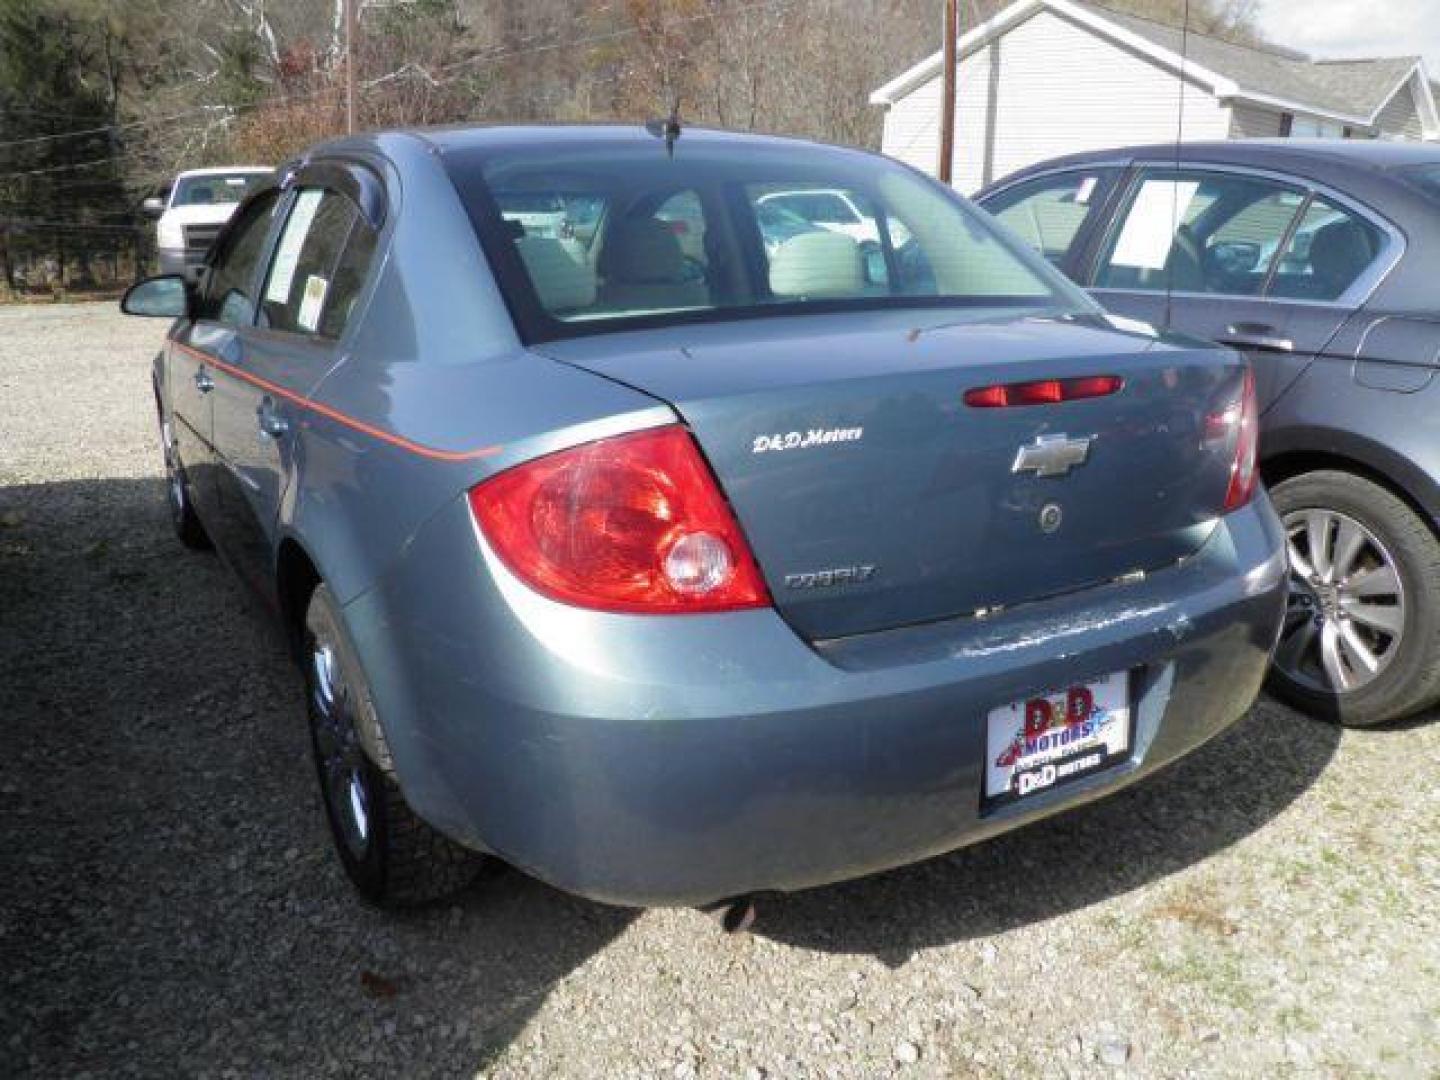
[393, 857]
[177, 493]
[1362, 630]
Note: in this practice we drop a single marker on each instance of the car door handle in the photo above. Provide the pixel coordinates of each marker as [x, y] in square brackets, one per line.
[203, 382]
[271, 423]
[1256, 336]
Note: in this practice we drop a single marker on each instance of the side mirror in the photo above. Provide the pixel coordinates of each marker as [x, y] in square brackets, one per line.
[165, 297]
[154, 206]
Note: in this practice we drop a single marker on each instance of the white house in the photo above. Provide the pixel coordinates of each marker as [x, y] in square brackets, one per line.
[1050, 77]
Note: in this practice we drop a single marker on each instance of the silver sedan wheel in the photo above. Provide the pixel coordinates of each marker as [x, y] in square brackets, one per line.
[1346, 612]
[337, 744]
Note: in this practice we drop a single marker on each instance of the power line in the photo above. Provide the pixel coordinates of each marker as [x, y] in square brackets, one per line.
[487, 57]
[108, 128]
[111, 160]
[26, 110]
[29, 223]
[230, 112]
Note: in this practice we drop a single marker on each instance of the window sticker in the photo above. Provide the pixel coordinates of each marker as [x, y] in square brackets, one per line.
[312, 302]
[1087, 188]
[282, 271]
[1149, 231]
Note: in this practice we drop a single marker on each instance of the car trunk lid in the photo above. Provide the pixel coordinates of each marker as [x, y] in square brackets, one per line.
[873, 496]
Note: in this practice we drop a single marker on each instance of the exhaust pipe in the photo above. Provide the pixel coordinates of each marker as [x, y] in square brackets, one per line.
[735, 916]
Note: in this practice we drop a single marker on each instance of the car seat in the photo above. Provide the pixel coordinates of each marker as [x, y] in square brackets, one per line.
[817, 265]
[1339, 253]
[642, 268]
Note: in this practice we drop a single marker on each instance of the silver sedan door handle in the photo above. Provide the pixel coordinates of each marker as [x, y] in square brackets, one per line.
[203, 382]
[271, 423]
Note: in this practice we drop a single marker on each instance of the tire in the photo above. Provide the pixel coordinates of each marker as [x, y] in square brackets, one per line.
[393, 858]
[1382, 605]
[177, 492]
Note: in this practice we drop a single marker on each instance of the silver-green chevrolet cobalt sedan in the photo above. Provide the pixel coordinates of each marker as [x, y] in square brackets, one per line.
[679, 518]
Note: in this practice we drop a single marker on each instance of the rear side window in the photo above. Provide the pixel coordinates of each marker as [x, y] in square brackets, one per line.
[1329, 252]
[318, 267]
[1050, 212]
[350, 274]
[228, 291]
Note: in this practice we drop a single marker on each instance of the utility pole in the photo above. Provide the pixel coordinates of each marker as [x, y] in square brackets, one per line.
[947, 102]
[350, 66]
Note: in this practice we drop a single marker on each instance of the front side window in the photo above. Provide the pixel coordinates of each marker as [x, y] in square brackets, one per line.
[727, 232]
[311, 283]
[1199, 232]
[228, 296]
[1050, 212]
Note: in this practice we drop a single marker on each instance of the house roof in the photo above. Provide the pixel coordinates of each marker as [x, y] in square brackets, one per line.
[1349, 91]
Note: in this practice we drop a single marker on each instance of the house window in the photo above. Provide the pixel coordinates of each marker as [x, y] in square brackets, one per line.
[1304, 127]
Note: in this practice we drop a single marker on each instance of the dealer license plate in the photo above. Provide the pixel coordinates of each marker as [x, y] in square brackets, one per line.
[1053, 739]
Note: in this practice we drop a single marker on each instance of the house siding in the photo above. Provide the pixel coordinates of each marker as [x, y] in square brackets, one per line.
[912, 127]
[1400, 119]
[1019, 102]
[1254, 122]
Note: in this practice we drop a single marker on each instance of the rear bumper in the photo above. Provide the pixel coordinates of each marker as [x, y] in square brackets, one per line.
[654, 761]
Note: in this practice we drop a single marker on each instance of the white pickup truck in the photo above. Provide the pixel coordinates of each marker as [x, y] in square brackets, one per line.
[192, 212]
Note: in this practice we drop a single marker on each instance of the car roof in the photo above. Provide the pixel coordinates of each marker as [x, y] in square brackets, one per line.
[527, 136]
[1376, 154]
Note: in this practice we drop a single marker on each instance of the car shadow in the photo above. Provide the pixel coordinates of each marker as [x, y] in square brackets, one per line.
[1188, 812]
[171, 904]
[174, 902]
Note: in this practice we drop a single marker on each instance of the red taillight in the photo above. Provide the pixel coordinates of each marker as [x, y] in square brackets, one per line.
[1042, 391]
[1246, 424]
[634, 523]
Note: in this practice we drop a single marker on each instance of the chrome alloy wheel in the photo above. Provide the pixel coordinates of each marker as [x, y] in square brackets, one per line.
[1346, 612]
[337, 746]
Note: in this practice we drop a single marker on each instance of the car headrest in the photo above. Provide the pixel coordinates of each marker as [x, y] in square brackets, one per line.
[561, 282]
[1338, 252]
[817, 264]
[642, 251]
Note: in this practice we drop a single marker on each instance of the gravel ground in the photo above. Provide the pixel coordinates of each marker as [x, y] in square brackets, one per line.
[169, 904]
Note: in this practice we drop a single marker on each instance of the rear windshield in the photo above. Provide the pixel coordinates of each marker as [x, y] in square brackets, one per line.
[1425, 177]
[216, 188]
[586, 237]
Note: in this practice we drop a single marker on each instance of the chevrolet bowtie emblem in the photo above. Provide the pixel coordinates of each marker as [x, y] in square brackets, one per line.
[1052, 455]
